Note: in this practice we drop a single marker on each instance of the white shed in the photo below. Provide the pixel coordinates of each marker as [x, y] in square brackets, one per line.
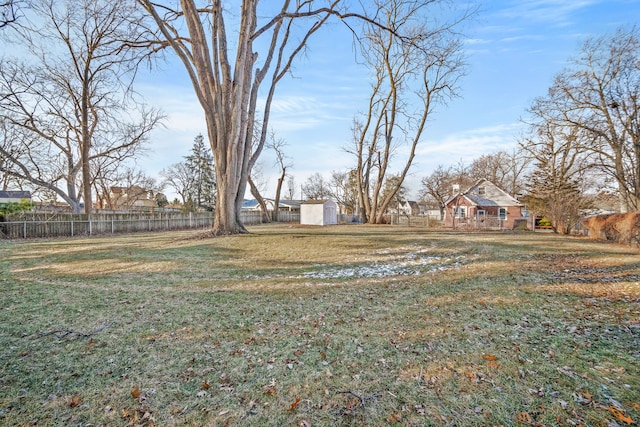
[318, 212]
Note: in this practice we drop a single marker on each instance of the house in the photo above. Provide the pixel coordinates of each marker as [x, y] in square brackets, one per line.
[289, 206]
[409, 207]
[283, 205]
[484, 206]
[133, 197]
[253, 205]
[7, 197]
[318, 212]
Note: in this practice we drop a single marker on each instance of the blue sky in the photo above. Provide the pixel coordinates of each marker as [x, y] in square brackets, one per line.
[514, 48]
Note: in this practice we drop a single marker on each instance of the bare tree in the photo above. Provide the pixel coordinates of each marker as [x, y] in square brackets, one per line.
[291, 187]
[179, 177]
[438, 187]
[344, 190]
[283, 163]
[410, 79]
[227, 82]
[8, 14]
[316, 188]
[71, 106]
[504, 169]
[600, 94]
[7, 137]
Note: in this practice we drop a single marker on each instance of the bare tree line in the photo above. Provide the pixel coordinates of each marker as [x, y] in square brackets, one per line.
[72, 124]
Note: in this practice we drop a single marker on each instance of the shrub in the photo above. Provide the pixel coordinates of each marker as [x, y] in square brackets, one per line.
[619, 228]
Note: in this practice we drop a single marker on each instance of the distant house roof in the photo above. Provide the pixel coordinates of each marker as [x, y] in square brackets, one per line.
[316, 202]
[15, 195]
[250, 204]
[289, 203]
[486, 193]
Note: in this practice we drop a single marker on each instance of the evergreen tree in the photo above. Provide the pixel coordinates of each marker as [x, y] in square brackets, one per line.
[555, 189]
[202, 193]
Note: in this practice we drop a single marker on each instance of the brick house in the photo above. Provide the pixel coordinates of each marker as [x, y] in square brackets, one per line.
[483, 206]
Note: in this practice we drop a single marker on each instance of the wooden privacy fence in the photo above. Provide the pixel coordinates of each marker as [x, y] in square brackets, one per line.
[66, 225]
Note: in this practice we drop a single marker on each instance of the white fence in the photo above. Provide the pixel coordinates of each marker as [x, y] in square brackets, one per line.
[60, 225]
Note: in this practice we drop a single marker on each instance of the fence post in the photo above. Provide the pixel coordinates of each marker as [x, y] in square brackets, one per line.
[24, 230]
[111, 226]
[90, 230]
[71, 227]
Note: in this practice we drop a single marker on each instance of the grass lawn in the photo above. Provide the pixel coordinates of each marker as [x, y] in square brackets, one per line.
[301, 326]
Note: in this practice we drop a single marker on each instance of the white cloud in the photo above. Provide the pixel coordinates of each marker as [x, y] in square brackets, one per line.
[468, 144]
[555, 12]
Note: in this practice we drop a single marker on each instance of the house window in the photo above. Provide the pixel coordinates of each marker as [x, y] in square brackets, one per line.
[482, 191]
[502, 213]
[461, 212]
[481, 213]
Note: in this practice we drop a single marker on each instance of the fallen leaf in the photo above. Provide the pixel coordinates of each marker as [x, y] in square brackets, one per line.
[620, 416]
[489, 357]
[492, 364]
[270, 389]
[205, 385]
[524, 417]
[294, 405]
[583, 398]
[75, 401]
[135, 393]
[395, 418]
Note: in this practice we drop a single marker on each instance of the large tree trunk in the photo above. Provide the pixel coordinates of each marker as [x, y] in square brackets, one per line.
[227, 88]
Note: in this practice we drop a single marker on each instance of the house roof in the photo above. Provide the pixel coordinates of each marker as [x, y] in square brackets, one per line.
[15, 195]
[253, 203]
[492, 195]
[316, 202]
[289, 203]
[134, 189]
[250, 204]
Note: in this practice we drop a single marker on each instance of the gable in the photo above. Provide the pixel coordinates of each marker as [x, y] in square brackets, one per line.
[486, 194]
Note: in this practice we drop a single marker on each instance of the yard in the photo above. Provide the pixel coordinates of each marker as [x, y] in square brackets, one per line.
[304, 326]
